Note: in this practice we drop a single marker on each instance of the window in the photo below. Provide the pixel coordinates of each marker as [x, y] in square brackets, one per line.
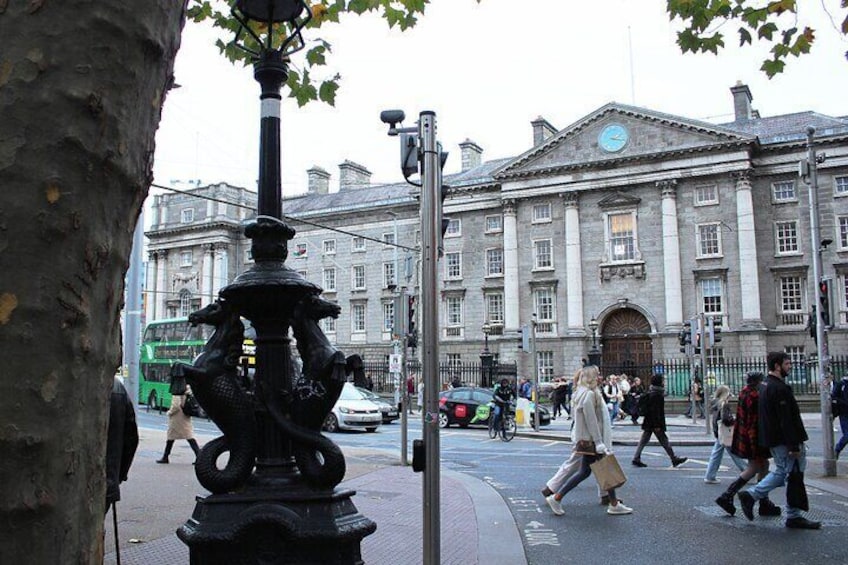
[494, 308]
[358, 277]
[329, 247]
[542, 213]
[791, 300]
[328, 325]
[389, 275]
[706, 194]
[842, 301]
[388, 316]
[542, 256]
[494, 224]
[543, 300]
[454, 359]
[300, 251]
[453, 266]
[453, 311]
[329, 278]
[187, 215]
[546, 365]
[621, 236]
[494, 262]
[454, 228]
[711, 297]
[783, 191]
[358, 244]
[840, 185]
[357, 317]
[389, 238]
[786, 237]
[709, 240]
[248, 255]
[799, 366]
[185, 303]
[842, 222]
[185, 259]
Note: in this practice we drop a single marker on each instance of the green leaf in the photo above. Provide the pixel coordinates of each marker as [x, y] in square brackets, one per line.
[327, 91]
[772, 67]
[767, 30]
[744, 36]
[315, 56]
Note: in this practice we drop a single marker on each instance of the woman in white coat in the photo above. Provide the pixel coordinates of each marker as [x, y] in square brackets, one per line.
[179, 427]
[592, 437]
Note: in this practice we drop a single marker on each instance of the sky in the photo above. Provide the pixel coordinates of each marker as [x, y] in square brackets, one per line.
[487, 70]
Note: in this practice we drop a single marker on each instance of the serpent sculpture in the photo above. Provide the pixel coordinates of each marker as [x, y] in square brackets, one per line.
[214, 382]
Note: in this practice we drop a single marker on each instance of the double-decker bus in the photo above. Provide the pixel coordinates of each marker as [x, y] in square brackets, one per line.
[167, 341]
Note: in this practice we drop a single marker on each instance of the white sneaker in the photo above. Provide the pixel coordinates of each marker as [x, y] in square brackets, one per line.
[556, 507]
[712, 481]
[619, 509]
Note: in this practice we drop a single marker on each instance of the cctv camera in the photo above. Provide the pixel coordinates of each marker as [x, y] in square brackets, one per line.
[392, 117]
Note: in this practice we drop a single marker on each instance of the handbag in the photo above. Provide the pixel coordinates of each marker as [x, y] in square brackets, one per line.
[796, 492]
[191, 407]
[585, 447]
[725, 434]
[608, 472]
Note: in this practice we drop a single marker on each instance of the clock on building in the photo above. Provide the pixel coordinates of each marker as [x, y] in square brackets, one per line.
[613, 138]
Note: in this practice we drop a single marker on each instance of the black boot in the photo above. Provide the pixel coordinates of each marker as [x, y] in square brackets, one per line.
[768, 508]
[168, 445]
[726, 499]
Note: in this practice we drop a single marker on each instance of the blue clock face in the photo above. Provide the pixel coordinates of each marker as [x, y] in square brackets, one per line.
[613, 138]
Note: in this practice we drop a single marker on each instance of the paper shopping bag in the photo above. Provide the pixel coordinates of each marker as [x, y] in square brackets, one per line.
[608, 472]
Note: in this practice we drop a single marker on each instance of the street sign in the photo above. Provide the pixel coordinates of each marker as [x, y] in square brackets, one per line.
[394, 363]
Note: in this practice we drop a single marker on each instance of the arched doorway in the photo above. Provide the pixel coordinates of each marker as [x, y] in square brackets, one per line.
[626, 344]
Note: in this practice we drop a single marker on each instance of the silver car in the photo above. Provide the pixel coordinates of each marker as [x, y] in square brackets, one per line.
[353, 411]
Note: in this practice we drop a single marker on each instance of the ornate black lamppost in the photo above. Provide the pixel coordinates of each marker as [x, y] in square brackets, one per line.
[486, 358]
[594, 353]
[275, 501]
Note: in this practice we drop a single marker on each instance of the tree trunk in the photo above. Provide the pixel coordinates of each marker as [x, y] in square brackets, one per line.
[81, 89]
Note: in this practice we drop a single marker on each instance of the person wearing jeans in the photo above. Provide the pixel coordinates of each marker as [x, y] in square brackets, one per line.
[722, 416]
[839, 397]
[784, 434]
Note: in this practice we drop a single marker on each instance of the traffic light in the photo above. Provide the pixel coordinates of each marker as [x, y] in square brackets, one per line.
[685, 336]
[411, 330]
[824, 300]
[695, 335]
[713, 333]
[524, 344]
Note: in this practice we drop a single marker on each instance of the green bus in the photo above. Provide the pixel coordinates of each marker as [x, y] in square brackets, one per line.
[167, 341]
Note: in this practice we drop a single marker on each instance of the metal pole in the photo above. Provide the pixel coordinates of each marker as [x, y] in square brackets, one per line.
[133, 312]
[430, 234]
[704, 345]
[535, 372]
[821, 335]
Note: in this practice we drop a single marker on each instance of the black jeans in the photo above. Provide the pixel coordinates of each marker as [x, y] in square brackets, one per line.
[646, 437]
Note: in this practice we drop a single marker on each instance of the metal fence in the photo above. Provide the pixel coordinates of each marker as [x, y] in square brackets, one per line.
[469, 374]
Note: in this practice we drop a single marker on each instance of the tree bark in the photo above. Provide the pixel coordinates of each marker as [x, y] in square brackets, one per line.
[82, 84]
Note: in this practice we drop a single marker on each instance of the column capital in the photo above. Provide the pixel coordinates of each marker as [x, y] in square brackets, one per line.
[509, 207]
[742, 179]
[570, 199]
[207, 248]
[668, 188]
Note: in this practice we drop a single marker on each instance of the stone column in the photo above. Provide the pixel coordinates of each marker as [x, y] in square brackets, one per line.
[671, 255]
[151, 290]
[206, 276]
[161, 283]
[510, 242]
[220, 273]
[573, 265]
[748, 265]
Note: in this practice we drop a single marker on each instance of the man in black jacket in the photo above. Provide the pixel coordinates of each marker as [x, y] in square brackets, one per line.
[654, 423]
[121, 442]
[782, 432]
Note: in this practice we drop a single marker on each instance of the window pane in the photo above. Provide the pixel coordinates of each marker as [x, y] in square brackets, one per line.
[494, 308]
[840, 185]
[494, 261]
[621, 232]
[787, 237]
[708, 238]
[494, 223]
[542, 253]
[784, 190]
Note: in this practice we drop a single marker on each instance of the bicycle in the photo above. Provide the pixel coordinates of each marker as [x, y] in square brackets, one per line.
[507, 426]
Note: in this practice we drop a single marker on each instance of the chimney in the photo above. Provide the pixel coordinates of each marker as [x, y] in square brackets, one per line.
[742, 102]
[352, 175]
[472, 154]
[542, 130]
[319, 181]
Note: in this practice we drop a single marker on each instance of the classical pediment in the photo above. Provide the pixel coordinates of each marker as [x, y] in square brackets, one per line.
[616, 134]
[618, 200]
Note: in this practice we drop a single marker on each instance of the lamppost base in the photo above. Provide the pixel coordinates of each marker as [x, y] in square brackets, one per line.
[297, 525]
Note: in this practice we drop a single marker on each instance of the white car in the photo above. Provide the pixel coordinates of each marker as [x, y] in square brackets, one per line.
[353, 411]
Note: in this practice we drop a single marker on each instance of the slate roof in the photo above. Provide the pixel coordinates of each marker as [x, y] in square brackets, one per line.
[790, 127]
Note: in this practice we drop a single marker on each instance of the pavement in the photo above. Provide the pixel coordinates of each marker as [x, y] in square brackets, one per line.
[477, 526]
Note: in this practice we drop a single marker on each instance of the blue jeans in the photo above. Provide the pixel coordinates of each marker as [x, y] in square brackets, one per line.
[777, 476]
[715, 461]
[613, 411]
[843, 425]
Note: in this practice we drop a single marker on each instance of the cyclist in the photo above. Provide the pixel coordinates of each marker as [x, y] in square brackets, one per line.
[504, 394]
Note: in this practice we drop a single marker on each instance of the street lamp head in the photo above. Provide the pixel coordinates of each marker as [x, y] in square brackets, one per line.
[279, 21]
[593, 325]
[487, 328]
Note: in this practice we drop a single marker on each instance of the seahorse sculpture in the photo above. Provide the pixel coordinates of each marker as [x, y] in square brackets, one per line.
[314, 392]
[214, 382]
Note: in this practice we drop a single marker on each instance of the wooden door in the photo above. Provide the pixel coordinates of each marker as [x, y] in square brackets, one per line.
[627, 347]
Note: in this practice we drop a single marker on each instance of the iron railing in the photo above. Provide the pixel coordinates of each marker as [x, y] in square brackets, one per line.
[469, 374]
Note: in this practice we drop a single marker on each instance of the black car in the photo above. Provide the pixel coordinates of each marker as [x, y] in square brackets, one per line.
[389, 412]
[459, 406]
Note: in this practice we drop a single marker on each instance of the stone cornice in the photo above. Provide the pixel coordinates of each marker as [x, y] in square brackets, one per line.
[194, 227]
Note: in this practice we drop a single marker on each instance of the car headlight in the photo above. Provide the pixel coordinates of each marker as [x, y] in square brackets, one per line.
[344, 410]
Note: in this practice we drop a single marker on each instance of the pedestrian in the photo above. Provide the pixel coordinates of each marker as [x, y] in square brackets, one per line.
[782, 431]
[525, 389]
[410, 390]
[839, 406]
[121, 441]
[611, 394]
[636, 390]
[624, 396]
[723, 419]
[745, 444]
[557, 395]
[421, 395]
[654, 423]
[179, 426]
[696, 398]
[592, 438]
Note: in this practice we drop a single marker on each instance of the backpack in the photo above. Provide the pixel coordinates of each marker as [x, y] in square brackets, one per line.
[191, 407]
[642, 404]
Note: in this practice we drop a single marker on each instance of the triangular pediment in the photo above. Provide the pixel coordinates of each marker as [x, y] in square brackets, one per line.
[617, 133]
[618, 200]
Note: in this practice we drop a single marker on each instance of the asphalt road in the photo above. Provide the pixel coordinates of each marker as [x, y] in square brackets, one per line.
[675, 519]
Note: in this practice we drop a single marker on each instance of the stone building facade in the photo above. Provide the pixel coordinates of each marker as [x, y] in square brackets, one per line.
[632, 218]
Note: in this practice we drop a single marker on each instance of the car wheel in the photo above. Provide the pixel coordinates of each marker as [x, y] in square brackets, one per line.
[331, 423]
[443, 420]
[371, 430]
[152, 402]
